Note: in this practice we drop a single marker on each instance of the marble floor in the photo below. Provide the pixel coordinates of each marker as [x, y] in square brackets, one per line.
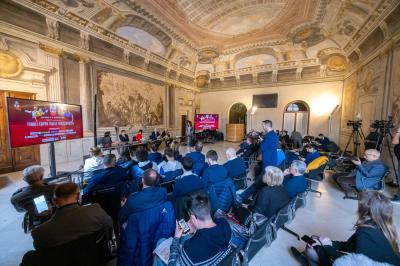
[328, 215]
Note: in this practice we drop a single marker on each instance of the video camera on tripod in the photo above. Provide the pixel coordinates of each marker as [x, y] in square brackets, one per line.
[383, 125]
[356, 124]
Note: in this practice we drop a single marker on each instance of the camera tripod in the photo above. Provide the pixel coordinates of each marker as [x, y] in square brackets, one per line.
[356, 135]
[386, 136]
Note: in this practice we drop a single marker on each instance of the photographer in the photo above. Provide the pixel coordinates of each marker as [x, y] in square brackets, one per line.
[367, 175]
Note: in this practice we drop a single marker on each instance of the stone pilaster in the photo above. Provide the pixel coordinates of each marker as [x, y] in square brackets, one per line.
[85, 94]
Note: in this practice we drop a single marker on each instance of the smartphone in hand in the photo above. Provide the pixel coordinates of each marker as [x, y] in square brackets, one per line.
[184, 226]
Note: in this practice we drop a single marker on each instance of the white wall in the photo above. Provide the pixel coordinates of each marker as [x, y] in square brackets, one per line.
[321, 97]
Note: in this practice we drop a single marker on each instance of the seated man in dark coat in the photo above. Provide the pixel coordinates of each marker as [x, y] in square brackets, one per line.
[209, 245]
[70, 221]
[215, 172]
[188, 182]
[199, 160]
[294, 181]
[312, 154]
[33, 175]
[323, 141]
[22, 199]
[107, 177]
[235, 165]
[149, 197]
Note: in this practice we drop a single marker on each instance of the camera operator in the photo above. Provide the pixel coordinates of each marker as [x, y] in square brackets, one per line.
[373, 140]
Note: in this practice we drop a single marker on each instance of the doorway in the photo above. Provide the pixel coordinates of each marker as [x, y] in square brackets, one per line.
[237, 114]
[12, 160]
[296, 117]
[183, 125]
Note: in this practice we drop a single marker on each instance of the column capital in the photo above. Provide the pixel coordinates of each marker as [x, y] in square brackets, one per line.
[51, 50]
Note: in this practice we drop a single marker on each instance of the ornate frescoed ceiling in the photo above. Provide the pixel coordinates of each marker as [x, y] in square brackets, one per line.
[228, 35]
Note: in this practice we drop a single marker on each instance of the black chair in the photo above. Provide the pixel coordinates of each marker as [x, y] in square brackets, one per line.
[284, 216]
[315, 175]
[169, 186]
[240, 182]
[381, 188]
[263, 236]
[233, 259]
[90, 250]
[301, 200]
[109, 198]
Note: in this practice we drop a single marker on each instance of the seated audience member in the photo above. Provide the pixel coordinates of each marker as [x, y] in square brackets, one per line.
[123, 137]
[106, 141]
[312, 154]
[22, 199]
[235, 166]
[285, 137]
[95, 162]
[188, 182]
[199, 160]
[296, 139]
[323, 141]
[149, 197]
[215, 172]
[154, 135]
[375, 234]
[70, 221]
[165, 134]
[209, 245]
[295, 181]
[109, 176]
[171, 165]
[367, 175]
[146, 218]
[125, 160]
[247, 149]
[175, 147]
[272, 197]
[139, 136]
[154, 155]
[143, 164]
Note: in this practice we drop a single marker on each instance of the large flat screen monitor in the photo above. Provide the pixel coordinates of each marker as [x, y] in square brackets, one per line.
[206, 121]
[32, 122]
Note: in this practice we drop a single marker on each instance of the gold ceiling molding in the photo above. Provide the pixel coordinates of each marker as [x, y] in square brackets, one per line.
[51, 50]
[10, 65]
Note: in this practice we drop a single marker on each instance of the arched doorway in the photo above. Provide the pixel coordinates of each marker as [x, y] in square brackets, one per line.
[296, 116]
[237, 114]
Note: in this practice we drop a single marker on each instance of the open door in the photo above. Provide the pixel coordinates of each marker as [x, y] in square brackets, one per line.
[183, 125]
[12, 160]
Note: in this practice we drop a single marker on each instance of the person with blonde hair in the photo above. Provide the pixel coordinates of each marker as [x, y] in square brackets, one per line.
[375, 234]
[272, 197]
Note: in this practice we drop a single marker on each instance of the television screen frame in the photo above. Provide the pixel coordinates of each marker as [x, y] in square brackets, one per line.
[199, 129]
[79, 135]
[257, 97]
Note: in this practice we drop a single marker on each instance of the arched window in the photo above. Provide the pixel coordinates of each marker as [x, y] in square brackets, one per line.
[237, 114]
[296, 117]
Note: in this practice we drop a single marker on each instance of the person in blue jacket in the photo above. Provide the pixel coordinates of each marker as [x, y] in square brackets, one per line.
[294, 181]
[215, 172]
[235, 165]
[323, 141]
[109, 176]
[188, 182]
[154, 155]
[312, 154]
[146, 217]
[199, 159]
[269, 145]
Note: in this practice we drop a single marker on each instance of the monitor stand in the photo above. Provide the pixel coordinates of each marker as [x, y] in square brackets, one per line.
[52, 161]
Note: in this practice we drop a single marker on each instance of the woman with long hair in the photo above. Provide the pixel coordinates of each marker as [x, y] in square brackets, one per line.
[375, 234]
